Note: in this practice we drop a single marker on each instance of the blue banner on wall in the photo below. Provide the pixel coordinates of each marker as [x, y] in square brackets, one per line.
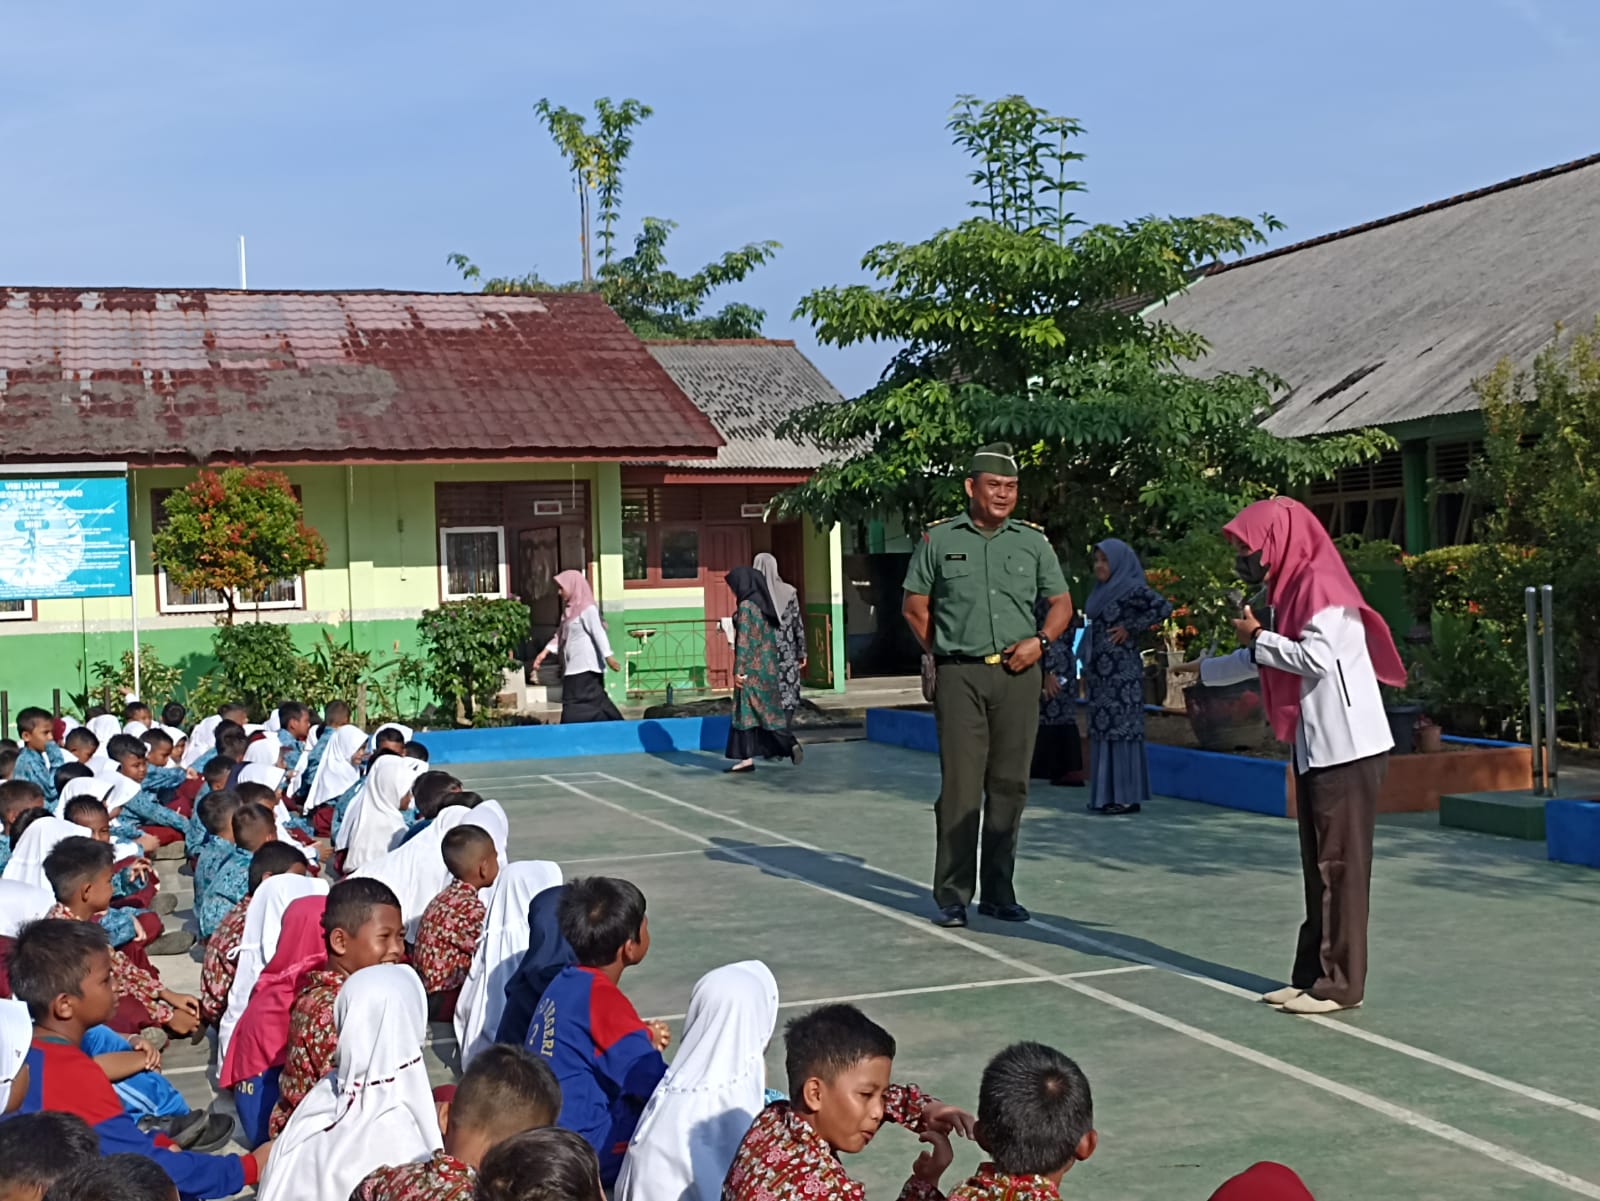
[63, 537]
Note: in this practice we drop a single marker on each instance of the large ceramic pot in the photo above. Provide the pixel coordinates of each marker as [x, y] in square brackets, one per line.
[1225, 718]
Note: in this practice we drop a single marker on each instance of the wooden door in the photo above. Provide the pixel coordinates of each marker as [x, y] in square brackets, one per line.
[722, 548]
[788, 548]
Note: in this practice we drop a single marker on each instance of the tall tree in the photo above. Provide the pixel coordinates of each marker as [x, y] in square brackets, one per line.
[595, 159]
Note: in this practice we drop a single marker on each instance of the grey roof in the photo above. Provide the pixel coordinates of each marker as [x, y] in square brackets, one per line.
[748, 388]
[1393, 320]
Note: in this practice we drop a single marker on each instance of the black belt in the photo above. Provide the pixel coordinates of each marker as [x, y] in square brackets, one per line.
[964, 660]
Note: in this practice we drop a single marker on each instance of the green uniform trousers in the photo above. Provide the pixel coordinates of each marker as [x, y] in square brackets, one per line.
[988, 719]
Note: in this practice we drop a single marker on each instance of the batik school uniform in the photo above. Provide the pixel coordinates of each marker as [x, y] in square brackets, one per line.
[61, 1078]
[221, 963]
[784, 1159]
[442, 1178]
[127, 890]
[990, 1184]
[226, 886]
[5, 851]
[122, 924]
[154, 818]
[447, 939]
[39, 769]
[135, 982]
[313, 1044]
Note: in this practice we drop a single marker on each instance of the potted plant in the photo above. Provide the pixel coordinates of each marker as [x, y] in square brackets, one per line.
[1428, 736]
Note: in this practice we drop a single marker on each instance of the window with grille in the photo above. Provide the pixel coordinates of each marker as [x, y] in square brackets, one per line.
[472, 562]
[1456, 514]
[1368, 500]
[280, 594]
[16, 610]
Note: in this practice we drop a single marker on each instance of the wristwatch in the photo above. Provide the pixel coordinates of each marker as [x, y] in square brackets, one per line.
[1044, 642]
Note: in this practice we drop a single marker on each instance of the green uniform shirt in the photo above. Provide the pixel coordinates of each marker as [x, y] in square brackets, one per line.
[983, 587]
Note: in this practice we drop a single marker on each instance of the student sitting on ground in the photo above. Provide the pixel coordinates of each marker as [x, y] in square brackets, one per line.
[337, 759]
[79, 870]
[221, 961]
[387, 741]
[430, 795]
[504, 1092]
[452, 924]
[124, 1177]
[838, 1063]
[294, 727]
[214, 777]
[8, 763]
[1035, 1120]
[159, 750]
[606, 1059]
[215, 812]
[136, 797]
[542, 1165]
[37, 1149]
[63, 970]
[335, 716]
[137, 888]
[362, 927]
[136, 718]
[80, 744]
[253, 827]
[16, 798]
[122, 923]
[39, 756]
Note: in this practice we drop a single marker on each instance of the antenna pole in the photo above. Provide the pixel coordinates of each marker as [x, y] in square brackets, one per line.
[244, 283]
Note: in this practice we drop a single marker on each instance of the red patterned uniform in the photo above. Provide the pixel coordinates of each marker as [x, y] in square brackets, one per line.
[442, 1178]
[992, 1185]
[128, 979]
[313, 1043]
[448, 937]
[783, 1159]
[220, 966]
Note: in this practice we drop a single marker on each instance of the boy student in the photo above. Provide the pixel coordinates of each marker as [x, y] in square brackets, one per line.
[838, 1063]
[16, 798]
[607, 1060]
[542, 1165]
[504, 1092]
[215, 813]
[362, 927]
[37, 1149]
[159, 749]
[253, 827]
[79, 871]
[8, 763]
[80, 744]
[294, 727]
[452, 924]
[131, 880]
[136, 718]
[143, 807]
[39, 756]
[221, 963]
[124, 1177]
[63, 971]
[1035, 1120]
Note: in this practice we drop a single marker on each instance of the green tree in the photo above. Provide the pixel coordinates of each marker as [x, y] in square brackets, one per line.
[1026, 325]
[236, 532]
[595, 159]
[468, 644]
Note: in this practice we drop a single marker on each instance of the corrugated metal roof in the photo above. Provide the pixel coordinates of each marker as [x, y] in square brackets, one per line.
[1392, 320]
[186, 375]
[748, 388]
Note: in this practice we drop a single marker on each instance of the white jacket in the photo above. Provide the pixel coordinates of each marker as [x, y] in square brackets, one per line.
[1341, 709]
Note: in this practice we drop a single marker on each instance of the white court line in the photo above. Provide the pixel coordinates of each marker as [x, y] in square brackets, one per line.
[1088, 942]
[1388, 1109]
[751, 846]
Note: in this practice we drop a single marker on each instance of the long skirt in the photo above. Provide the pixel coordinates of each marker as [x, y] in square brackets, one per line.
[1118, 774]
[760, 743]
[583, 698]
[1058, 754]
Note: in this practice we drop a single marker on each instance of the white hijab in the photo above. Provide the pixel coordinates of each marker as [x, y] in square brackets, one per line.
[415, 870]
[16, 1033]
[375, 820]
[38, 840]
[135, 729]
[281, 817]
[111, 772]
[406, 732]
[500, 951]
[105, 728]
[703, 1107]
[202, 739]
[21, 903]
[335, 772]
[263, 922]
[89, 786]
[266, 751]
[375, 1108]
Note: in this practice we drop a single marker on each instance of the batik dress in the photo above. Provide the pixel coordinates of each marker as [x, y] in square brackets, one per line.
[1058, 751]
[791, 651]
[1115, 678]
[759, 723]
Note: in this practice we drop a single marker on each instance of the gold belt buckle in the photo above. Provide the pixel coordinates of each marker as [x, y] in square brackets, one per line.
[991, 660]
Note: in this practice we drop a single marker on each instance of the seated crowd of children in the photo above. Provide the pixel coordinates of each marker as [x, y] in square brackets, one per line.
[347, 896]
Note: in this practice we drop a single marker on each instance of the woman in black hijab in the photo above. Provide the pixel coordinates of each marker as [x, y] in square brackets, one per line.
[759, 723]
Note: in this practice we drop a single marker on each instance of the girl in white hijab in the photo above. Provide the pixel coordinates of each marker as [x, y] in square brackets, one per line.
[38, 840]
[21, 903]
[500, 950]
[16, 1033]
[703, 1107]
[266, 750]
[415, 869]
[375, 1108]
[263, 922]
[376, 819]
[202, 739]
[335, 771]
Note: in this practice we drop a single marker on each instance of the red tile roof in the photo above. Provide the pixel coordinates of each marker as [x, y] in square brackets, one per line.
[180, 376]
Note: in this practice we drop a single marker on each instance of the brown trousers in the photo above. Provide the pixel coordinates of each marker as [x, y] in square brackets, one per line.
[1337, 809]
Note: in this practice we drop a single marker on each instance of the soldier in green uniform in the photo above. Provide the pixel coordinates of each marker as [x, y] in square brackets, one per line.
[970, 596]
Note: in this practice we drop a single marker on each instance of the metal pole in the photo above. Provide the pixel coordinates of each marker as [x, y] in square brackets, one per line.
[133, 597]
[1548, 596]
[1531, 604]
[55, 702]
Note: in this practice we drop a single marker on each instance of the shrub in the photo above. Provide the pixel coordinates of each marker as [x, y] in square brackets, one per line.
[258, 661]
[468, 645]
[158, 683]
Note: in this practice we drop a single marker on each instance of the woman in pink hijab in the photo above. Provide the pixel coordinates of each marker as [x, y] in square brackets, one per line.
[1321, 654]
[585, 653]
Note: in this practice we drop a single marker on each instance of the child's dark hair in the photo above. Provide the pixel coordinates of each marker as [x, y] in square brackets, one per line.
[831, 1040]
[155, 738]
[351, 902]
[216, 810]
[83, 806]
[81, 736]
[21, 821]
[32, 717]
[291, 711]
[38, 1148]
[415, 750]
[68, 772]
[10, 744]
[216, 772]
[337, 711]
[8, 762]
[1034, 1108]
[252, 793]
[239, 707]
[392, 735]
[549, 1164]
[172, 714]
[231, 743]
[124, 746]
[15, 796]
[273, 859]
[428, 790]
[51, 957]
[505, 1091]
[598, 915]
[253, 825]
[122, 1177]
[463, 847]
[131, 711]
[74, 862]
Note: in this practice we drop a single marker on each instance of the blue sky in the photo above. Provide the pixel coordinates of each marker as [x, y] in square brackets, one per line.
[357, 144]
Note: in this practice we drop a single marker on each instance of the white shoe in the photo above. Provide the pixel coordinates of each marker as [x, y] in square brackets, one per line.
[1306, 1004]
[1282, 996]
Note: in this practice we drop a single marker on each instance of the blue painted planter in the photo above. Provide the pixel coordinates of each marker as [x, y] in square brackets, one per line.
[1572, 832]
[654, 737]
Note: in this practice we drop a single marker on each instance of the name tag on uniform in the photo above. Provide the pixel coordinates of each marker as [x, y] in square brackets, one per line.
[955, 558]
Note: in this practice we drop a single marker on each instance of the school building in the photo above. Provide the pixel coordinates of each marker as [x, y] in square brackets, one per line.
[443, 445]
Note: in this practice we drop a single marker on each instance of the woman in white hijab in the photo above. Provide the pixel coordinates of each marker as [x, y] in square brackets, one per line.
[263, 922]
[336, 771]
[500, 950]
[21, 903]
[38, 840]
[703, 1107]
[16, 1033]
[376, 819]
[375, 1108]
[415, 869]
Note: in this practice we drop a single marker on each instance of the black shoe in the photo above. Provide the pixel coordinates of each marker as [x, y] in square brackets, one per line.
[1113, 810]
[200, 1130]
[1005, 913]
[798, 755]
[952, 917]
